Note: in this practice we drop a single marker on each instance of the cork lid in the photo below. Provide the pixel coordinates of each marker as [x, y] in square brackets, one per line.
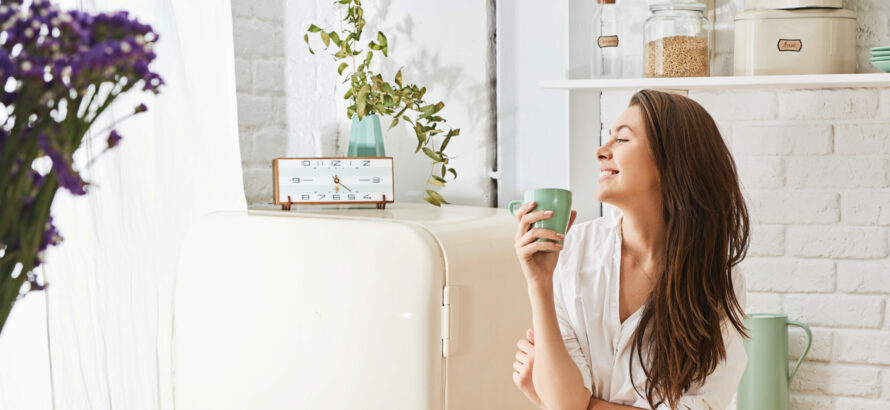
[605, 1]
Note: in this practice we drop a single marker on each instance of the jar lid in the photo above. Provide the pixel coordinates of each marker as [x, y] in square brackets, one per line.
[605, 1]
[795, 14]
[672, 5]
[792, 4]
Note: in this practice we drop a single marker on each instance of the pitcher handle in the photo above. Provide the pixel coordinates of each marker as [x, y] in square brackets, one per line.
[805, 350]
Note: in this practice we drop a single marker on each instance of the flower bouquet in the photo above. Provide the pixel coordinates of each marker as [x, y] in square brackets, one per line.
[59, 71]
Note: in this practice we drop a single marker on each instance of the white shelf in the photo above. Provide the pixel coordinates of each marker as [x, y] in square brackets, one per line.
[814, 81]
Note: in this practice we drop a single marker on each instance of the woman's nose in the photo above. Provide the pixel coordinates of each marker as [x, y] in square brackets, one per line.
[603, 152]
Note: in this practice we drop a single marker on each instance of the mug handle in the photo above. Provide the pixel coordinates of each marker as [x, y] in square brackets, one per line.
[805, 350]
[512, 204]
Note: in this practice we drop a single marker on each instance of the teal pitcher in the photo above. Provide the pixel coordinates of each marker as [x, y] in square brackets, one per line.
[766, 382]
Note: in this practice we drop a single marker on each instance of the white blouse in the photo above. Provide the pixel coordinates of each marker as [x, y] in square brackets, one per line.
[586, 289]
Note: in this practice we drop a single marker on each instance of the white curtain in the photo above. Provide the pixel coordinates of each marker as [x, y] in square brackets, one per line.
[108, 310]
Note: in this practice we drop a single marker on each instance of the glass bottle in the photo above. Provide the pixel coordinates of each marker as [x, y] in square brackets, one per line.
[606, 55]
[677, 41]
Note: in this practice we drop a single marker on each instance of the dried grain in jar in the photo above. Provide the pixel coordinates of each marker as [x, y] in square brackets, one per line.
[677, 38]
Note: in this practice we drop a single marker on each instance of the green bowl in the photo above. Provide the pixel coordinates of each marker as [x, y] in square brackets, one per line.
[882, 65]
[880, 58]
[880, 53]
[876, 49]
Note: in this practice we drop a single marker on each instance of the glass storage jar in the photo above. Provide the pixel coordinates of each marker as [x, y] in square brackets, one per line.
[677, 37]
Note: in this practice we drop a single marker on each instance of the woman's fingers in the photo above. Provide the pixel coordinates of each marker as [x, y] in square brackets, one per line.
[527, 251]
[518, 367]
[521, 357]
[524, 209]
[525, 346]
[530, 335]
[536, 233]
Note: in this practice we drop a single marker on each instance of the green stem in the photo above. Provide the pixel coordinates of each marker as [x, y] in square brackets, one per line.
[9, 289]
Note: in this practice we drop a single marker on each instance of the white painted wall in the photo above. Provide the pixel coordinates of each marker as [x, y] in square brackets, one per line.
[290, 102]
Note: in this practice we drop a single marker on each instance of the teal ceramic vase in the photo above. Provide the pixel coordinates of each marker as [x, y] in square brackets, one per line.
[365, 137]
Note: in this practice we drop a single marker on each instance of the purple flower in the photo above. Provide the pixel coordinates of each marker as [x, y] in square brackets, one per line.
[68, 179]
[113, 138]
[140, 108]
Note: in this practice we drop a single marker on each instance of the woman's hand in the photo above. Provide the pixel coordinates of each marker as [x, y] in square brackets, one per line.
[537, 266]
[522, 367]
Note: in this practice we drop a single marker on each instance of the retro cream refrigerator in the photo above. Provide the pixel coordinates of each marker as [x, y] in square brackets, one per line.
[407, 308]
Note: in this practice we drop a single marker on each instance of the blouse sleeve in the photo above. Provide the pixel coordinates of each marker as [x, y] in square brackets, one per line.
[569, 337]
[720, 387]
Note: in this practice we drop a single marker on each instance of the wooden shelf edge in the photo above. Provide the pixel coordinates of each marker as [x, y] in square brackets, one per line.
[811, 81]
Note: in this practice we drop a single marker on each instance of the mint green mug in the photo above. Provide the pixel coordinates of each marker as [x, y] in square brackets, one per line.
[766, 382]
[553, 199]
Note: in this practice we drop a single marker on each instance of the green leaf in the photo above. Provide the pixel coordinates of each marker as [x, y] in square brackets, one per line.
[442, 178]
[373, 46]
[432, 154]
[325, 39]
[314, 29]
[398, 76]
[384, 45]
[394, 123]
[335, 38]
[348, 94]
[445, 142]
[435, 195]
[427, 197]
[435, 181]
[341, 68]
[306, 38]
[453, 172]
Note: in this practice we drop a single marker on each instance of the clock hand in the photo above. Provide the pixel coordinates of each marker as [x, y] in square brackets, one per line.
[344, 186]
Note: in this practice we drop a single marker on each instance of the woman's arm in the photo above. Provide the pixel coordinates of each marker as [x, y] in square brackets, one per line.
[556, 377]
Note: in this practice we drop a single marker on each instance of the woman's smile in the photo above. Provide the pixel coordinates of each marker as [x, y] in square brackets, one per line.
[605, 173]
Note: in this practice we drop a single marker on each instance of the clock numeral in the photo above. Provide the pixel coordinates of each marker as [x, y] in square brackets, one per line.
[351, 197]
[366, 163]
[306, 163]
[336, 197]
[295, 180]
[335, 163]
[367, 196]
[376, 180]
[320, 196]
[305, 197]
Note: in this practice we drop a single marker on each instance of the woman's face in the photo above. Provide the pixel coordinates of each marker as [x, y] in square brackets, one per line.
[627, 167]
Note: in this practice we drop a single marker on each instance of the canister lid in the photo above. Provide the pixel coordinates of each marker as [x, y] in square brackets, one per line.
[795, 14]
[674, 5]
[605, 1]
[791, 4]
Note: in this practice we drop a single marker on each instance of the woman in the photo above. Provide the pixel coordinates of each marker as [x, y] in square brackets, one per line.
[642, 309]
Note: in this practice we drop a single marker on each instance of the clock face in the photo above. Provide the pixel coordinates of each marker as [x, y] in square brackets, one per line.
[333, 180]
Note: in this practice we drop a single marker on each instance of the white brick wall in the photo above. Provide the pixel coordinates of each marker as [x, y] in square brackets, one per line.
[259, 68]
[814, 169]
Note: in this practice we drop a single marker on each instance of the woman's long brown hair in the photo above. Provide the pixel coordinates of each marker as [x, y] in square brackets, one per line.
[706, 236]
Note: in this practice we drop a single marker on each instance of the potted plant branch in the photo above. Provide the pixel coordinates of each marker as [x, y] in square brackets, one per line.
[371, 96]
